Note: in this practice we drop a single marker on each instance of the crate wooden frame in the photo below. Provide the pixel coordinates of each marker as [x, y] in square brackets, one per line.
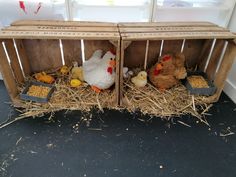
[215, 47]
[31, 37]
[199, 38]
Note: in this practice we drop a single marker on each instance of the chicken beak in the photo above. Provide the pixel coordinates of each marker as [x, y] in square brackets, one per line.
[112, 63]
[159, 66]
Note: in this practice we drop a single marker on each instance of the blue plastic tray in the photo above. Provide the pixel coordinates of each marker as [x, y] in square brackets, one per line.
[200, 91]
[24, 95]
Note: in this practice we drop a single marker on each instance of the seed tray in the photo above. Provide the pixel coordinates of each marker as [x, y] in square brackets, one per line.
[200, 91]
[25, 96]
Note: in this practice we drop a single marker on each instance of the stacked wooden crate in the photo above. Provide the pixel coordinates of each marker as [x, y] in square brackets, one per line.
[206, 46]
[34, 46]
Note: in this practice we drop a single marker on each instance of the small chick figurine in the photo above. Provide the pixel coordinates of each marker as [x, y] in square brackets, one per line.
[77, 72]
[140, 80]
[75, 83]
[64, 70]
[43, 77]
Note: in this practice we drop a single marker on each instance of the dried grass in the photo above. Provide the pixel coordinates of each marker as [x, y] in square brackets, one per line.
[169, 103]
[68, 98]
[148, 100]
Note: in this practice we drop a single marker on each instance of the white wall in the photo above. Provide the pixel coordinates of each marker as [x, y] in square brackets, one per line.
[217, 11]
[92, 10]
[11, 11]
[230, 86]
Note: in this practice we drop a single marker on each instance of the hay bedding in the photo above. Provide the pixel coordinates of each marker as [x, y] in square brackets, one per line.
[65, 97]
[169, 103]
[148, 100]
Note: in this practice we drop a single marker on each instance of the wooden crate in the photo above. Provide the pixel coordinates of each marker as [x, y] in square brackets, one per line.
[209, 47]
[38, 45]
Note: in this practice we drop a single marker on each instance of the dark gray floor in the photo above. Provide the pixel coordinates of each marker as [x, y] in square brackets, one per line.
[118, 144]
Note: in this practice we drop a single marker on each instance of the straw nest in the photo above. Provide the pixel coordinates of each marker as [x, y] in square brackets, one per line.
[173, 102]
[67, 98]
[167, 104]
[148, 100]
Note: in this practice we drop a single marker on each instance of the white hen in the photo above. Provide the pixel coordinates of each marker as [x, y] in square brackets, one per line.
[91, 62]
[100, 73]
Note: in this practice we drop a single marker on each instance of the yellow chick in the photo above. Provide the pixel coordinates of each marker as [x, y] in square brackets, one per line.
[140, 80]
[43, 77]
[75, 83]
[77, 72]
[64, 70]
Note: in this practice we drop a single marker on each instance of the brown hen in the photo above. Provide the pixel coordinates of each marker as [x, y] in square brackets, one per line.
[167, 72]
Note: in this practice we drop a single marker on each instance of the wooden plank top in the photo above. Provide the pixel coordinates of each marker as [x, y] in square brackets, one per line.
[45, 29]
[177, 35]
[156, 24]
[61, 28]
[173, 30]
[58, 35]
[61, 23]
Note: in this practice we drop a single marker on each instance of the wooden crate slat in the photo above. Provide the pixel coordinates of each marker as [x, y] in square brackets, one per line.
[58, 35]
[216, 54]
[148, 24]
[60, 23]
[7, 74]
[224, 68]
[61, 28]
[14, 62]
[121, 80]
[117, 85]
[43, 54]
[72, 51]
[177, 35]
[23, 57]
[172, 29]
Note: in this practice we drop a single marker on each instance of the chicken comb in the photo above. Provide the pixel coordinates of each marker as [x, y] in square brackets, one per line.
[113, 51]
[166, 57]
